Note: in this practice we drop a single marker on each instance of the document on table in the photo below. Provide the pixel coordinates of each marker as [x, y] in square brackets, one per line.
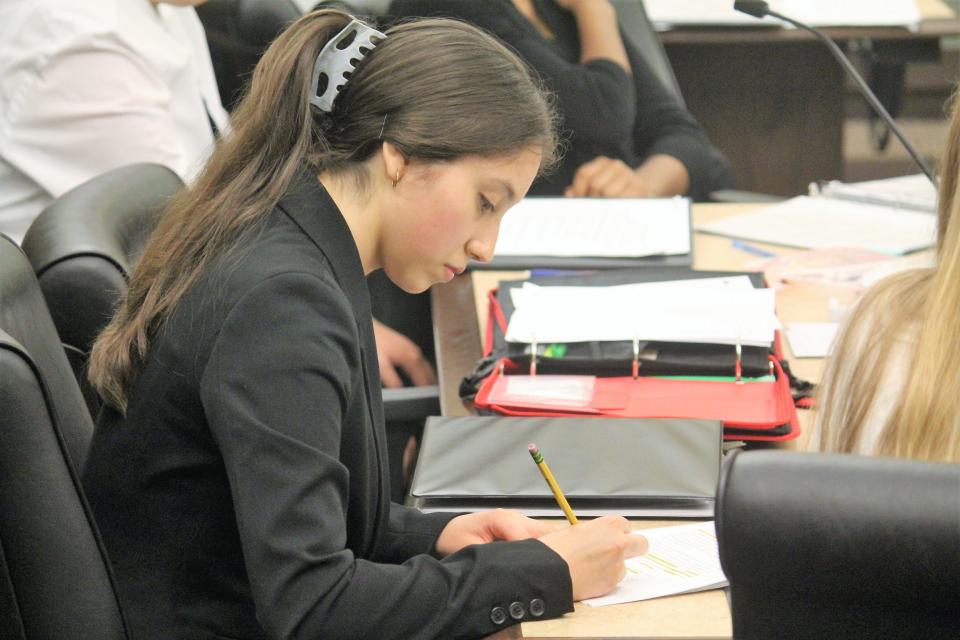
[811, 339]
[912, 192]
[681, 559]
[708, 310]
[595, 227]
[819, 223]
[820, 13]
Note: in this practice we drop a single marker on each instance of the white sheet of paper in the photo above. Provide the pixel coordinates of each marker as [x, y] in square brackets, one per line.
[566, 391]
[851, 13]
[596, 227]
[819, 223]
[681, 559]
[811, 339]
[910, 191]
[709, 310]
[818, 13]
[699, 12]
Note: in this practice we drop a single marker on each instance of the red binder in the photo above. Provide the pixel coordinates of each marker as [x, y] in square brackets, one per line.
[748, 410]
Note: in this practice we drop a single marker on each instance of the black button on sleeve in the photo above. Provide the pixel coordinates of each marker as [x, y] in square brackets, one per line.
[517, 611]
[537, 607]
[498, 615]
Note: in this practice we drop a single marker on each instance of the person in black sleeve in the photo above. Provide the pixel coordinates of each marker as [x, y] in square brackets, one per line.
[628, 135]
[238, 473]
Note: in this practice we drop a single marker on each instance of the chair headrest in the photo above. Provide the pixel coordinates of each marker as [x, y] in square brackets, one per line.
[107, 216]
[260, 21]
[841, 528]
[25, 318]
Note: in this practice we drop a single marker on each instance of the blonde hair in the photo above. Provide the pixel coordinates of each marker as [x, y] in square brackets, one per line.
[437, 89]
[925, 421]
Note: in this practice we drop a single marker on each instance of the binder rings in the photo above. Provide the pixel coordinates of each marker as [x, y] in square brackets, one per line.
[657, 468]
[759, 407]
[615, 358]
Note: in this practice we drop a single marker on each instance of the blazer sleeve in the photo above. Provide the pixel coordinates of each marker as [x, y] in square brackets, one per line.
[275, 390]
[411, 532]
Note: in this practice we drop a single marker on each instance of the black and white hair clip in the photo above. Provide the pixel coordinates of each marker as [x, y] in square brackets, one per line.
[338, 59]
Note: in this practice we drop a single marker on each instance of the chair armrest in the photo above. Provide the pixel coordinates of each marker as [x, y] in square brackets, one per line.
[411, 403]
[735, 195]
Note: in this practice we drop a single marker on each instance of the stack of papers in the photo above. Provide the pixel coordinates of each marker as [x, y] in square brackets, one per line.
[709, 310]
[595, 227]
[854, 268]
[819, 223]
[818, 13]
[904, 192]
[681, 559]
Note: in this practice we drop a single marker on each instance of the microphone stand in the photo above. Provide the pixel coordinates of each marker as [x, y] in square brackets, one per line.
[760, 9]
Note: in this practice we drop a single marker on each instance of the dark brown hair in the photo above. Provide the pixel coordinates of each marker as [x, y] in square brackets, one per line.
[437, 89]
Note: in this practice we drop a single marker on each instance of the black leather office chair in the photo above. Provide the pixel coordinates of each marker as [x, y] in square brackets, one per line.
[55, 583]
[84, 246]
[25, 319]
[834, 546]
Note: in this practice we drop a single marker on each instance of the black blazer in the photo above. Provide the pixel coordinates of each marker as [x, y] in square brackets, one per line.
[245, 493]
[605, 111]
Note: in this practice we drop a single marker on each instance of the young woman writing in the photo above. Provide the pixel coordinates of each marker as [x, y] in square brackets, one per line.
[238, 476]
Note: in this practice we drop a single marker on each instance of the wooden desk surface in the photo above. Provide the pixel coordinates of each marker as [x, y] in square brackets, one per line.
[459, 313]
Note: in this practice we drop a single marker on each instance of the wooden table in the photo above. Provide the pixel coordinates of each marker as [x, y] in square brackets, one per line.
[773, 99]
[458, 315]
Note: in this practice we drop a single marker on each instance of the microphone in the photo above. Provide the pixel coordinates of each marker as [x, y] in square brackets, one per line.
[759, 9]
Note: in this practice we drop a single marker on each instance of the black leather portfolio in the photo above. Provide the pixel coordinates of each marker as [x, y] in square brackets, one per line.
[660, 468]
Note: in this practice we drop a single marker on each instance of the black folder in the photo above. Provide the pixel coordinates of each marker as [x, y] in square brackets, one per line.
[660, 468]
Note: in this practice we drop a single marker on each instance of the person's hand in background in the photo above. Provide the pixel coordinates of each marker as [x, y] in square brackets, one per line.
[659, 176]
[396, 352]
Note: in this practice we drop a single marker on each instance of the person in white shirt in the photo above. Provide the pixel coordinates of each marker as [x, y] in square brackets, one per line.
[89, 86]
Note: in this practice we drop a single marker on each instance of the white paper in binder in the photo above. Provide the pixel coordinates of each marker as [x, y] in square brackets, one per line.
[712, 310]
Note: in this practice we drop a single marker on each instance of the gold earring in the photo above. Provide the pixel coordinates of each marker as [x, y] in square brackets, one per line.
[397, 179]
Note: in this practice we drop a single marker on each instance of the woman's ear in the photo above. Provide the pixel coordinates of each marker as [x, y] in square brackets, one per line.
[394, 162]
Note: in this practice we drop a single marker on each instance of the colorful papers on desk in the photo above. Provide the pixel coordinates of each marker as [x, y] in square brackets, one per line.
[817, 223]
[710, 310]
[681, 559]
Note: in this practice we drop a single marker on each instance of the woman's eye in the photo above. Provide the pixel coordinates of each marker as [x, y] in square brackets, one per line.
[485, 205]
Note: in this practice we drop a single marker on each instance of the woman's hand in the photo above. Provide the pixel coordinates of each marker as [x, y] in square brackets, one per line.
[397, 351]
[659, 176]
[594, 551]
[605, 177]
[487, 526]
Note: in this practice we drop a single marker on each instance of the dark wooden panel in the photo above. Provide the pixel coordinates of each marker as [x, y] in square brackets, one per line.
[775, 109]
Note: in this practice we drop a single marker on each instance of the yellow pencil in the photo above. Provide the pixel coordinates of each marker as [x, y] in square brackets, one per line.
[557, 494]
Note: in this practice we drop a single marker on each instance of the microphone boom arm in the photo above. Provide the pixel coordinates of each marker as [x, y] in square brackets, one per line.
[759, 9]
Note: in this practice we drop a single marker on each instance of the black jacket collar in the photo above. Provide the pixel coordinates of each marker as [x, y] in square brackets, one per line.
[309, 205]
